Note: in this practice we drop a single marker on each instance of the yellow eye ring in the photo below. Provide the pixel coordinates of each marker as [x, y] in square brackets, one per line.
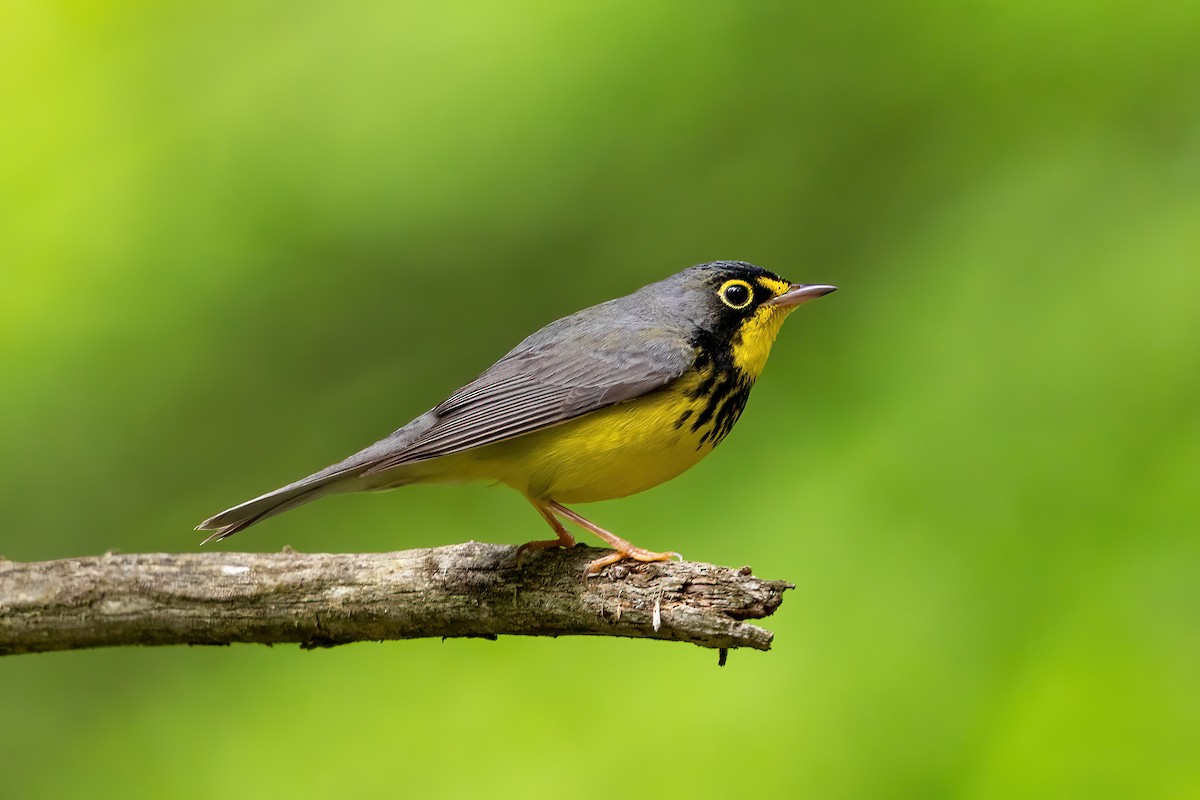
[737, 294]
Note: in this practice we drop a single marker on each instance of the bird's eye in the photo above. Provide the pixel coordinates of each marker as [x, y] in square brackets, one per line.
[736, 294]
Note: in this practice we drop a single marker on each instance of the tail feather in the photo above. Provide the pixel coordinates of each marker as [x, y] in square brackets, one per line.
[345, 476]
[243, 515]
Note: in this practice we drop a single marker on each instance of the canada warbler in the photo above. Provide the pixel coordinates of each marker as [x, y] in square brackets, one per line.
[609, 401]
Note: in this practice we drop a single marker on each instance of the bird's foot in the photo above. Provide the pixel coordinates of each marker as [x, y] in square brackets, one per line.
[565, 539]
[635, 553]
[623, 549]
[544, 544]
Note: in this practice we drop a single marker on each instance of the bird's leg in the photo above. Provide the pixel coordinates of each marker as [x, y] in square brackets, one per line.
[624, 549]
[565, 539]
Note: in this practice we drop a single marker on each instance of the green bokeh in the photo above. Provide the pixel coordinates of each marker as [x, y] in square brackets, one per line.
[239, 240]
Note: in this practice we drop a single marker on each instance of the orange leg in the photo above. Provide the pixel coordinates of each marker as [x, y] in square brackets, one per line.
[624, 549]
[565, 539]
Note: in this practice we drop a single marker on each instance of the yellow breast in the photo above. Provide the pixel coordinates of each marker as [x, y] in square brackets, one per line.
[614, 452]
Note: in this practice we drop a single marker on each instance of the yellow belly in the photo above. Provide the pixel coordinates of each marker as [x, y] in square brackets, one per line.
[613, 452]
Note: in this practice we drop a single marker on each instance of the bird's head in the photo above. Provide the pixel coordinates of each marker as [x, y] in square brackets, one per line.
[740, 307]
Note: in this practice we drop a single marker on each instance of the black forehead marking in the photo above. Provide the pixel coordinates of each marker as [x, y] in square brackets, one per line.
[724, 270]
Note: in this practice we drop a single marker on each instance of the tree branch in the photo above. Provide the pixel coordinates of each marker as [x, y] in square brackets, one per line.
[321, 599]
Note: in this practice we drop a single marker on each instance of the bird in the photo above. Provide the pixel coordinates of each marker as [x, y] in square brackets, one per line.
[603, 403]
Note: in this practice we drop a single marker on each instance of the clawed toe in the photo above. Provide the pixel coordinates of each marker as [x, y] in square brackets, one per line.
[634, 553]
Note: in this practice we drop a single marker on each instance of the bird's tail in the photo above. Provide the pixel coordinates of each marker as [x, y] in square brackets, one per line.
[338, 478]
[353, 474]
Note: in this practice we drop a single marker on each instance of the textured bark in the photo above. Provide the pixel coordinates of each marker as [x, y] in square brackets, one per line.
[321, 599]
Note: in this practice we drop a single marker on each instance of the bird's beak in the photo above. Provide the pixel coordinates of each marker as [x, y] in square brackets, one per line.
[799, 293]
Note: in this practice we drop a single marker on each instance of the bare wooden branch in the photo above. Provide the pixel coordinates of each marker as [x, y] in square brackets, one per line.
[321, 599]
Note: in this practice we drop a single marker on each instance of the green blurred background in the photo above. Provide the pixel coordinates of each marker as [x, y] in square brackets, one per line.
[240, 240]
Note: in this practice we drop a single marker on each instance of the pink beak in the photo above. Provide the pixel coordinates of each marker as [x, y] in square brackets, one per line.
[799, 293]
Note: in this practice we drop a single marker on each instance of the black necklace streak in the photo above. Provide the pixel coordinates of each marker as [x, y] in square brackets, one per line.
[722, 393]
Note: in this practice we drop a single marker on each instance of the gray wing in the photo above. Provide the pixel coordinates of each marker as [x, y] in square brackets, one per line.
[563, 371]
